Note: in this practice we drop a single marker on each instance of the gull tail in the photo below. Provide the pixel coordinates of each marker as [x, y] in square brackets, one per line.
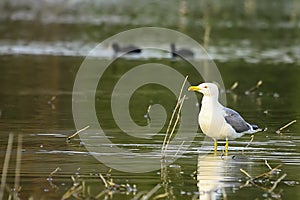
[255, 128]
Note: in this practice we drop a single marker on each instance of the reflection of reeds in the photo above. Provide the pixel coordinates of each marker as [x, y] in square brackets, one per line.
[168, 136]
[18, 166]
[173, 122]
[207, 31]
[251, 140]
[13, 192]
[51, 102]
[5, 164]
[144, 195]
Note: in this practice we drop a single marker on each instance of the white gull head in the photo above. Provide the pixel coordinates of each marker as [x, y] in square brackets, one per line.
[207, 89]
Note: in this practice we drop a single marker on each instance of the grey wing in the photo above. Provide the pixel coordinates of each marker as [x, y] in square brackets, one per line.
[236, 121]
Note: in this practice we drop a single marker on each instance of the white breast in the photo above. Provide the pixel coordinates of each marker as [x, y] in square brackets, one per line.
[212, 122]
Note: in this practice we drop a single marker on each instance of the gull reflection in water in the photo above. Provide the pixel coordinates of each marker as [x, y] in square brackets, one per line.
[215, 173]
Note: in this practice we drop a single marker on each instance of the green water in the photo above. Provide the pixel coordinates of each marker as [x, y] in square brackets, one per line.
[44, 44]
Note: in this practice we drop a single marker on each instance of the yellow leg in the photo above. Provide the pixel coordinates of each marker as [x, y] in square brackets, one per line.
[226, 147]
[215, 147]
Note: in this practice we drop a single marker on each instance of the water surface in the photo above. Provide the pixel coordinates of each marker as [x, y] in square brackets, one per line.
[43, 45]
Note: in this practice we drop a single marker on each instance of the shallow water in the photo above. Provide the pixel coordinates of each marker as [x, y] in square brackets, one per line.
[41, 53]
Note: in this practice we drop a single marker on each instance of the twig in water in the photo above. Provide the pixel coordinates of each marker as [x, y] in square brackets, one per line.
[276, 183]
[251, 140]
[51, 102]
[266, 162]
[138, 195]
[75, 189]
[248, 181]
[104, 181]
[50, 179]
[161, 196]
[268, 173]
[246, 173]
[251, 180]
[285, 126]
[54, 171]
[100, 194]
[151, 192]
[6, 164]
[147, 115]
[263, 175]
[258, 84]
[77, 132]
[52, 99]
[235, 85]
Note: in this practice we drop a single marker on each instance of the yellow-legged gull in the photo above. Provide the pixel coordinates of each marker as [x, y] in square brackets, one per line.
[217, 121]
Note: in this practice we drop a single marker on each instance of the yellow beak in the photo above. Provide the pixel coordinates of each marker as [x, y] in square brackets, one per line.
[193, 88]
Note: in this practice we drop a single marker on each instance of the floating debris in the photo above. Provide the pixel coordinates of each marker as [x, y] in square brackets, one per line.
[264, 179]
[81, 190]
[285, 126]
[291, 183]
[276, 95]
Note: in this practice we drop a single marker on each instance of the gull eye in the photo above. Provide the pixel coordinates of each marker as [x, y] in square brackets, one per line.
[205, 86]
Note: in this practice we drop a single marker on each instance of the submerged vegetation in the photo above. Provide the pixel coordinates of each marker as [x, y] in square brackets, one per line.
[266, 181]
